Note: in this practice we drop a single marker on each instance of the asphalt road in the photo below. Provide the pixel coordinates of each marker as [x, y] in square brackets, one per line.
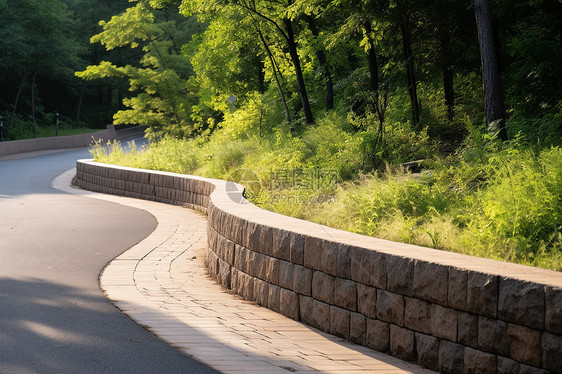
[53, 316]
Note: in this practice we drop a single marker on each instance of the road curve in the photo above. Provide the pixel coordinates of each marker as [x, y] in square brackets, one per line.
[53, 316]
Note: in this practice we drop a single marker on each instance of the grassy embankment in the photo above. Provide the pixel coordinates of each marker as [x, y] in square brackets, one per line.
[487, 199]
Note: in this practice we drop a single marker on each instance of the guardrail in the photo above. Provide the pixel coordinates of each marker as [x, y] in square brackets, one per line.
[445, 311]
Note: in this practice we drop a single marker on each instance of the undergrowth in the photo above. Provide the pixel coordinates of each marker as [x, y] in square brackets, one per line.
[489, 199]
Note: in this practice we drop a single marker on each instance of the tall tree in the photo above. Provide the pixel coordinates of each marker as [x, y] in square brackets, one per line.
[493, 97]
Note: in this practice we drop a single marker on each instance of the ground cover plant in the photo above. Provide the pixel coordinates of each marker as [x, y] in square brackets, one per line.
[314, 104]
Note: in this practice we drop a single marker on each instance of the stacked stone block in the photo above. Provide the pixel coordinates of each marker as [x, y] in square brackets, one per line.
[436, 313]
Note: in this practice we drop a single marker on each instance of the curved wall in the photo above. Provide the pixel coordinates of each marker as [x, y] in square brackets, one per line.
[58, 142]
[447, 312]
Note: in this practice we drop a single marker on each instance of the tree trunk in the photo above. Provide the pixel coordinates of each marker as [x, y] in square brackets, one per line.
[449, 92]
[80, 100]
[298, 71]
[274, 67]
[17, 99]
[410, 69]
[33, 99]
[326, 71]
[493, 101]
[372, 62]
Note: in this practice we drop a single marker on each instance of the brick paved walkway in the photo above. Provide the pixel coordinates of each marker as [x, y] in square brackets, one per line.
[162, 284]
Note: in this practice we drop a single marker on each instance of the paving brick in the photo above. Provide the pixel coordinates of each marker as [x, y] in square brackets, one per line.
[521, 302]
[390, 307]
[431, 282]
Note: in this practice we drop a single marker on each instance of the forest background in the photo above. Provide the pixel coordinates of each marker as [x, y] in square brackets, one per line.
[314, 105]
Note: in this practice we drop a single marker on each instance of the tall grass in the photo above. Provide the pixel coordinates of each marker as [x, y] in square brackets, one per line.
[500, 201]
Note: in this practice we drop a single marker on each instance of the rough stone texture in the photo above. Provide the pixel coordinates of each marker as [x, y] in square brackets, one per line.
[246, 286]
[451, 357]
[272, 270]
[479, 362]
[274, 298]
[467, 329]
[281, 246]
[390, 307]
[323, 287]
[553, 315]
[507, 366]
[378, 335]
[444, 322]
[297, 249]
[552, 352]
[261, 292]
[402, 343]
[417, 315]
[329, 259]
[289, 304]
[313, 253]
[344, 261]
[340, 322]
[427, 349]
[302, 282]
[265, 240]
[521, 302]
[368, 267]
[257, 264]
[286, 274]
[482, 294]
[367, 300]
[357, 328]
[524, 344]
[224, 273]
[305, 309]
[400, 275]
[525, 369]
[492, 336]
[431, 282]
[345, 294]
[321, 315]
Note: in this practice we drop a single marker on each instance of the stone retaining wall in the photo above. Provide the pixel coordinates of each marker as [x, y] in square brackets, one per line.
[447, 312]
[58, 142]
